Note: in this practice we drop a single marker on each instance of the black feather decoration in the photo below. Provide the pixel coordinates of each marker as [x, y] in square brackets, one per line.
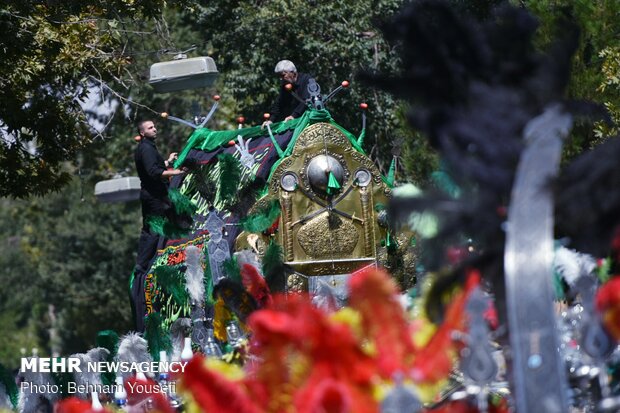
[205, 187]
[239, 301]
[473, 86]
[274, 269]
[247, 197]
[587, 200]
[230, 177]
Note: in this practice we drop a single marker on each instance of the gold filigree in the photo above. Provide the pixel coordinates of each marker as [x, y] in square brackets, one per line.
[318, 240]
[320, 134]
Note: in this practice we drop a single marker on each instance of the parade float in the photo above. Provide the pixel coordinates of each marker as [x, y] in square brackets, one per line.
[271, 281]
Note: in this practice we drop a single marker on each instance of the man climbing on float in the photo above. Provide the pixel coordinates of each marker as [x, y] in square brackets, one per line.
[154, 174]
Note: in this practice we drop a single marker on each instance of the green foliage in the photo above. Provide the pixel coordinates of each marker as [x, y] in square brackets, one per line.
[596, 65]
[331, 40]
[53, 53]
[76, 254]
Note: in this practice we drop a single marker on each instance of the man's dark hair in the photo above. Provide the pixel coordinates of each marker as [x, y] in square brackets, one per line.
[141, 124]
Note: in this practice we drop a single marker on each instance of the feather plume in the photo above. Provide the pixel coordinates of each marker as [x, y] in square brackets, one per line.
[232, 270]
[8, 390]
[214, 393]
[157, 339]
[434, 359]
[194, 274]
[200, 177]
[608, 304]
[76, 405]
[375, 295]
[172, 281]
[182, 204]
[461, 75]
[221, 317]
[274, 269]
[255, 285]
[247, 257]
[180, 328]
[236, 298]
[108, 339]
[164, 227]
[262, 219]
[133, 349]
[570, 265]
[149, 395]
[230, 177]
[86, 377]
[587, 206]
[246, 197]
[31, 400]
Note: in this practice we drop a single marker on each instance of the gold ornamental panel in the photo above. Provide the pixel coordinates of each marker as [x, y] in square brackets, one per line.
[330, 267]
[319, 241]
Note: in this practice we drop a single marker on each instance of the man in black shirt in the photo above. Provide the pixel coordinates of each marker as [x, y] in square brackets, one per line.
[286, 107]
[153, 173]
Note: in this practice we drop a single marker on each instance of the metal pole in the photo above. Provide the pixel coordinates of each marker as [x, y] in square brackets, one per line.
[538, 378]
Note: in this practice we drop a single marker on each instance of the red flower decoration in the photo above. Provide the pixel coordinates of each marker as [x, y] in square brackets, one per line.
[608, 303]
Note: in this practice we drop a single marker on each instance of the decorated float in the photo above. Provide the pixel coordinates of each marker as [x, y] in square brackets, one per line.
[271, 283]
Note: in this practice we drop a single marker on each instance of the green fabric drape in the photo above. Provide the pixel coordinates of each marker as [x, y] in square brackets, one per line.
[207, 140]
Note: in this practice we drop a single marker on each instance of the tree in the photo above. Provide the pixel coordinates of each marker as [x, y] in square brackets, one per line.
[596, 66]
[74, 253]
[53, 52]
[331, 40]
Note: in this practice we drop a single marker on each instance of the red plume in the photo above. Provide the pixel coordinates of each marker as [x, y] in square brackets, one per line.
[256, 285]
